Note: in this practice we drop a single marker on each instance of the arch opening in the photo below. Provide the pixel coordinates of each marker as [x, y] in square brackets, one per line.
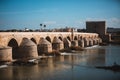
[14, 44]
[48, 39]
[32, 39]
[81, 37]
[68, 38]
[75, 38]
[61, 38]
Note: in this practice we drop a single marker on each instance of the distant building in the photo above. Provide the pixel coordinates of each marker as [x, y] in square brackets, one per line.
[115, 34]
[113, 30]
[26, 29]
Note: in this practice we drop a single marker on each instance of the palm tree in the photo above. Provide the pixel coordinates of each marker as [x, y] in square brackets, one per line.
[41, 26]
[44, 26]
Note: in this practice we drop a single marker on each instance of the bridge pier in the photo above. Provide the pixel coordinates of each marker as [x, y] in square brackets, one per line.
[86, 42]
[100, 40]
[97, 41]
[81, 43]
[74, 43]
[27, 49]
[57, 44]
[5, 54]
[67, 43]
[90, 42]
[44, 46]
[94, 42]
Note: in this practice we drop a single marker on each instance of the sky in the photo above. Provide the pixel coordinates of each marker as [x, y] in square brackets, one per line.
[20, 14]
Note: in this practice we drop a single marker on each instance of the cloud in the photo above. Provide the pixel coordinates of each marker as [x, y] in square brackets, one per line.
[110, 22]
[83, 21]
[20, 12]
[80, 22]
[49, 22]
[114, 20]
[96, 19]
[42, 10]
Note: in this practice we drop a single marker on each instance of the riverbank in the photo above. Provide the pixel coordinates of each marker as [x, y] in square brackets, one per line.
[115, 67]
[115, 42]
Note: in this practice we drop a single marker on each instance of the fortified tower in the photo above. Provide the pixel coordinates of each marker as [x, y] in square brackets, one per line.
[98, 27]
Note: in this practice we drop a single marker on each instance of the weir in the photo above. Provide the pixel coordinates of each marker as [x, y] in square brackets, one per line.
[32, 44]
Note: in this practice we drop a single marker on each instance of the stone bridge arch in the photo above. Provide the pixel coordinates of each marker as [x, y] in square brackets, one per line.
[80, 37]
[12, 39]
[48, 39]
[61, 38]
[14, 44]
[69, 38]
[34, 40]
[75, 38]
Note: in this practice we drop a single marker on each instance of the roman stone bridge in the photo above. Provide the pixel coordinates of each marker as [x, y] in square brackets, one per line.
[45, 42]
[16, 37]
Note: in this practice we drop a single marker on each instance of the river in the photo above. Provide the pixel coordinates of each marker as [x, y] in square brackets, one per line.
[71, 66]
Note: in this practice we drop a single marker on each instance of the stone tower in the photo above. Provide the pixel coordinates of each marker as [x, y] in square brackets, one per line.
[96, 27]
[100, 28]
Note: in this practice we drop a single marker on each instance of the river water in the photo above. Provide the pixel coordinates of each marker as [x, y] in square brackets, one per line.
[71, 66]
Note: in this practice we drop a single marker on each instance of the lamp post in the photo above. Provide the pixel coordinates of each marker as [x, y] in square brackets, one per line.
[72, 33]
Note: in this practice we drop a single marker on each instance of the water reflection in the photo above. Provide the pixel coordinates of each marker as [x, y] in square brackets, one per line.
[96, 57]
[25, 72]
[112, 54]
[6, 73]
[68, 67]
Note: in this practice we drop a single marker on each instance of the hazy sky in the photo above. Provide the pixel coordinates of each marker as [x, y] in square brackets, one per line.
[18, 14]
